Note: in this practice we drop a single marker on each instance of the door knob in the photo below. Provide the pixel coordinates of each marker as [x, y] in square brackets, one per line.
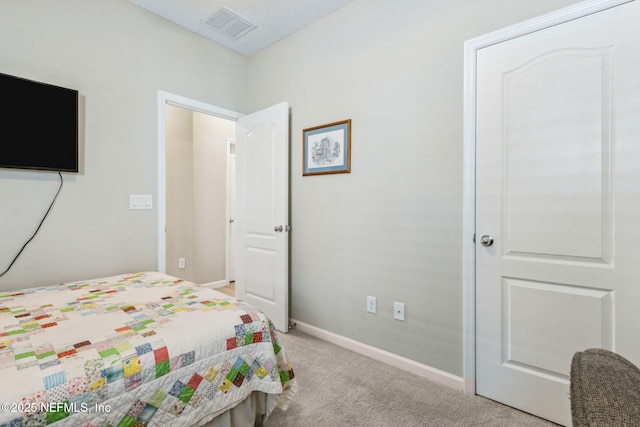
[277, 228]
[486, 240]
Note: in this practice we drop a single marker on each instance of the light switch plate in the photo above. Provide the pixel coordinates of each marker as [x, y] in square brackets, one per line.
[140, 201]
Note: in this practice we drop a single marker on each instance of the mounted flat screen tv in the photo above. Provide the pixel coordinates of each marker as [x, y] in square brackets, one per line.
[39, 125]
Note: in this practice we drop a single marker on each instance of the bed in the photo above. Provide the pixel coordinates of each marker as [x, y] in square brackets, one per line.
[135, 350]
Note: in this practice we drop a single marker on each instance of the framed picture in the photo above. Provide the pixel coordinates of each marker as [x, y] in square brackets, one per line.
[326, 149]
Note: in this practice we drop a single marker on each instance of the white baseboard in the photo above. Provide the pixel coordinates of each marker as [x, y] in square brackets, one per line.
[214, 285]
[383, 356]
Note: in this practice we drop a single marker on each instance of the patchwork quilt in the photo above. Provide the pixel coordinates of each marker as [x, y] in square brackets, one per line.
[133, 350]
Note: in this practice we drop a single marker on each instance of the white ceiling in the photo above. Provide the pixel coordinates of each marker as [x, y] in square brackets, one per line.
[274, 19]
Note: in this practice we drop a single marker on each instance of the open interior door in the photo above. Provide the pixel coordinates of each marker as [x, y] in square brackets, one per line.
[262, 212]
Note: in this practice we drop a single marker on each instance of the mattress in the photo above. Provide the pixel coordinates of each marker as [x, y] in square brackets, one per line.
[135, 349]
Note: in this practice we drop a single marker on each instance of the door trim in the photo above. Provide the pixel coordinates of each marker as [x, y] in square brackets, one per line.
[165, 98]
[471, 48]
[231, 142]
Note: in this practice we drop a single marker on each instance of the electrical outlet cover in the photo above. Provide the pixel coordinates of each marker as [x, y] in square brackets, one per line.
[371, 304]
[398, 311]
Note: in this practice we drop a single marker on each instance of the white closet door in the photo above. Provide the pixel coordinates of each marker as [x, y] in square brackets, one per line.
[558, 193]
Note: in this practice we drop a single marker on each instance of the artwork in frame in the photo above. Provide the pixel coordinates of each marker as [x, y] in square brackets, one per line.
[326, 149]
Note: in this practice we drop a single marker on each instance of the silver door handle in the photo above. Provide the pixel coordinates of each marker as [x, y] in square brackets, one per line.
[486, 240]
[277, 229]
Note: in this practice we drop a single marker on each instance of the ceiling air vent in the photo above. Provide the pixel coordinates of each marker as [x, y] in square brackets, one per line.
[229, 23]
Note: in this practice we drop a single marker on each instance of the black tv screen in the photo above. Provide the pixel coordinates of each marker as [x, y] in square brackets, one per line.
[39, 125]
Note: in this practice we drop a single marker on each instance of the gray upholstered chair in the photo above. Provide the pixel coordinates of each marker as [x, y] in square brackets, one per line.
[605, 389]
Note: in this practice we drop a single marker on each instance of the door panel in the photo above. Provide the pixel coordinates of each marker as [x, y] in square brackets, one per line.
[580, 318]
[557, 187]
[262, 194]
[566, 156]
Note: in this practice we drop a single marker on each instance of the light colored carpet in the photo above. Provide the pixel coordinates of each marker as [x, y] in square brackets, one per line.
[338, 387]
[228, 290]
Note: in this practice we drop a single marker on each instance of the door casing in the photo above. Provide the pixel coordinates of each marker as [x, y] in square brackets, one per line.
[230, 218]
[469, 166]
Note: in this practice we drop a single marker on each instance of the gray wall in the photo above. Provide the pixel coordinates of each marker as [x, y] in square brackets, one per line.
[179, 190]
[118, 56]
[392, 228]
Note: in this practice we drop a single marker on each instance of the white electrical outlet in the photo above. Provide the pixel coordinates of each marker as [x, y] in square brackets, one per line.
[182, 263]
[398, 311]
[371, 304]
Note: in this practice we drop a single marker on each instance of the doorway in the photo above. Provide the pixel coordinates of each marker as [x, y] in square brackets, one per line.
[262, 207]
[193, 190]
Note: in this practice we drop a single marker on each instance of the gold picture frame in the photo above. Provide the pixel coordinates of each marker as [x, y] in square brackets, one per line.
[326, 149]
